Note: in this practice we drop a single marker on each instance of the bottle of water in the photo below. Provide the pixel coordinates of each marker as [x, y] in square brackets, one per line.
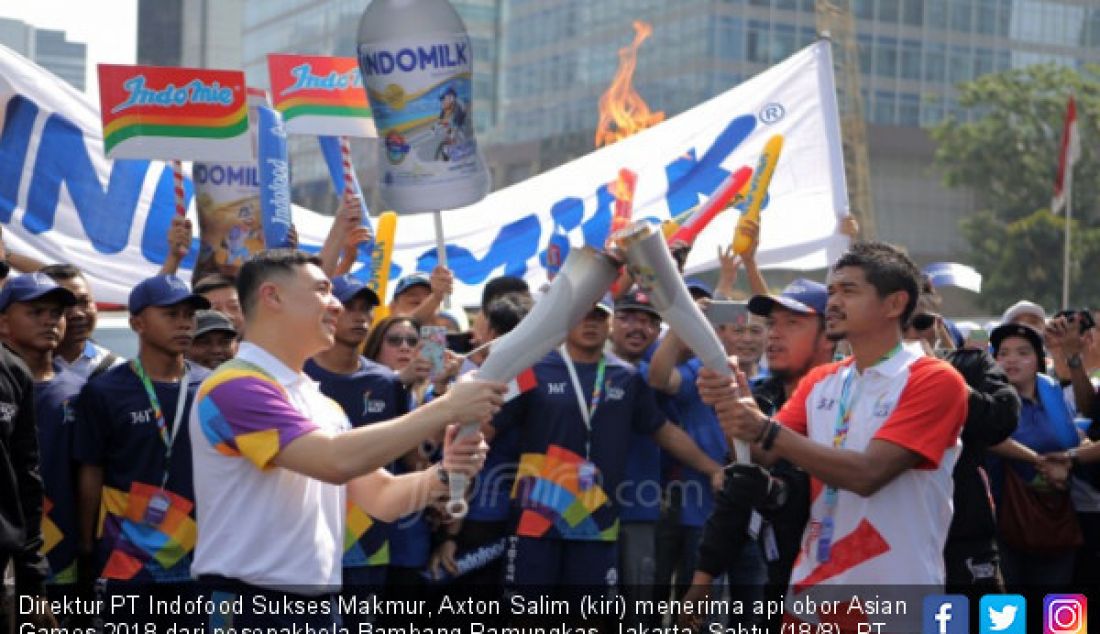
[417, 66]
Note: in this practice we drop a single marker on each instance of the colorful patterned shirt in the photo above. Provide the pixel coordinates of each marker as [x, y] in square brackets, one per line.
[116, 429]
[553, 495]
[258, 523]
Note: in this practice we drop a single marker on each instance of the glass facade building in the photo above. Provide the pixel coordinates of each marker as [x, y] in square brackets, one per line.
[559, 55]
[47, 48]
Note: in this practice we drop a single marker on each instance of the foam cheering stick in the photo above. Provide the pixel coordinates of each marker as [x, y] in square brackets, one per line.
[654, 271]
[762, 178]
[719, 200]
[381, 256]
[583, 279]
[672, 225]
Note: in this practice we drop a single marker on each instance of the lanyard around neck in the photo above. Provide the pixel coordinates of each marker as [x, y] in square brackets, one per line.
[845, 408]
[167, 436]
[588, 410]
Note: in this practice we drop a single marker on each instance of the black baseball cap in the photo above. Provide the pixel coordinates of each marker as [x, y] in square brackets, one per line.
[637, 300]
[1004, 331]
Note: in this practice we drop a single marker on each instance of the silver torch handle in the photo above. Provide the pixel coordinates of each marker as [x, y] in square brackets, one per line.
[654, 271]
[584, 278]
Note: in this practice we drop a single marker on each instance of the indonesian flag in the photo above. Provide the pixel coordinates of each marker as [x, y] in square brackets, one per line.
[1067, 158]
[524, 382]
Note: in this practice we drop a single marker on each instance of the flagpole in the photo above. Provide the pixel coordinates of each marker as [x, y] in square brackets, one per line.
[1066, 247]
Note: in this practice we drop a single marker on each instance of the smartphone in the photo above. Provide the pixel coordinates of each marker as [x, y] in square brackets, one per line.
[433, 341]
[720, 312]
[979, 335]
[460, 342]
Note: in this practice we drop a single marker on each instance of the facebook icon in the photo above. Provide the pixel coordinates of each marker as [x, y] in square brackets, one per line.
[946, 614]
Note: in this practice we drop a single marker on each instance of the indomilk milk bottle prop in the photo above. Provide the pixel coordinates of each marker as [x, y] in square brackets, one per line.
[417, 65]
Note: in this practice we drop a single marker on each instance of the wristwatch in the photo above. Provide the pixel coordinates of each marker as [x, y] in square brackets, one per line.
[1074, 361]
[1072, 455]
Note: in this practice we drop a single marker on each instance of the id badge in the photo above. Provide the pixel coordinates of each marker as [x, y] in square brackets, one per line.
[825, 540]
[157, 508]
[771, 547]
[586, 476]
[755, 522]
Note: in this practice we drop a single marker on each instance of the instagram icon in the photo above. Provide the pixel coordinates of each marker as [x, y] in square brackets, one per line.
[1065, 614]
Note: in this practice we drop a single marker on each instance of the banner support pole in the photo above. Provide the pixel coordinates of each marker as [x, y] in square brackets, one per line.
[440, 247]
[177, 182]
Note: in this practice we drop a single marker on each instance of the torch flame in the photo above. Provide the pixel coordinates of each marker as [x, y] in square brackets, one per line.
[623, 112]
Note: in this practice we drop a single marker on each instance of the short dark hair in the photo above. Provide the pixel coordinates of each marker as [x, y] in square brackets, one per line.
[265, 265]
[212, 282]
[888, 269]
[62, 272]
[499, 286]
[506, 311]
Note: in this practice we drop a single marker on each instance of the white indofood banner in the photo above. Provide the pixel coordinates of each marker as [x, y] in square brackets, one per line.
[62, 200]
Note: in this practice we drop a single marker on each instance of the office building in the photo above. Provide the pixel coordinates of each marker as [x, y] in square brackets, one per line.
[558, 56]
[48, 48]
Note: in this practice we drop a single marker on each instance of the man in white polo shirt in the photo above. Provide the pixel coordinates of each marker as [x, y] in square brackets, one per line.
[272, 454]
[878, 433]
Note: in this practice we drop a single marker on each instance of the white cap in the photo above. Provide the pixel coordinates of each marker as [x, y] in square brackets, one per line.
[1023, 307]
[966, 327]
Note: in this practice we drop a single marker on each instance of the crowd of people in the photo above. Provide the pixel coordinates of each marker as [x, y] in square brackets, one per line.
[277, 433]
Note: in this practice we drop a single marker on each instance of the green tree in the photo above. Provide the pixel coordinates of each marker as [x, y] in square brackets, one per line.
[1008, 155]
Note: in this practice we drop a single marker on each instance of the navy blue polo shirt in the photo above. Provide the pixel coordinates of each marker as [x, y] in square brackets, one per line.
[641, 488]
[371, 394]
[701, 424]
[117, 430]
[53, 405]
[559, 494]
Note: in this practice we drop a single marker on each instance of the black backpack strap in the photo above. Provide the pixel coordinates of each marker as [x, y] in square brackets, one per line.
[104, 365]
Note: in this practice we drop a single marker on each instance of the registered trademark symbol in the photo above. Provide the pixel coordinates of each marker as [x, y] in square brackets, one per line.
[772, 113]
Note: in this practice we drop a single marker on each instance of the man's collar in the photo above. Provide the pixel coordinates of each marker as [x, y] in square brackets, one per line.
[910, 351]
[269, 363]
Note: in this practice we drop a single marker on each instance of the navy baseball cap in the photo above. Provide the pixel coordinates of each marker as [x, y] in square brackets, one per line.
[801, 296]
[31, 286]
[163, 290]
[347, 288]
[409, 281]
[637, 300]
[697, 287]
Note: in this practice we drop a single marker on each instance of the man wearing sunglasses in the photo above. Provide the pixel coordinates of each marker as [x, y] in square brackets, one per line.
[993, 410]
[575, 430]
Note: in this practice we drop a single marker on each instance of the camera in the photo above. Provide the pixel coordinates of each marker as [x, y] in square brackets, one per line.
[1083, 318]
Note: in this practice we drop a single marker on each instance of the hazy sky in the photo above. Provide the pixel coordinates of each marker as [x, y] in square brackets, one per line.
[108, 27]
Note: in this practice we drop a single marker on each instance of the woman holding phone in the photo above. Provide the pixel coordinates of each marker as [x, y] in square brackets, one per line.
[395, 342]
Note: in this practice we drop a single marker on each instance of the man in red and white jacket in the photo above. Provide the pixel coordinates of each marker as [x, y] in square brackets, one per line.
[878, 433]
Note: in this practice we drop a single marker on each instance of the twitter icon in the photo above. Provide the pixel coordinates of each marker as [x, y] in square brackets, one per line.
[1003, 614]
